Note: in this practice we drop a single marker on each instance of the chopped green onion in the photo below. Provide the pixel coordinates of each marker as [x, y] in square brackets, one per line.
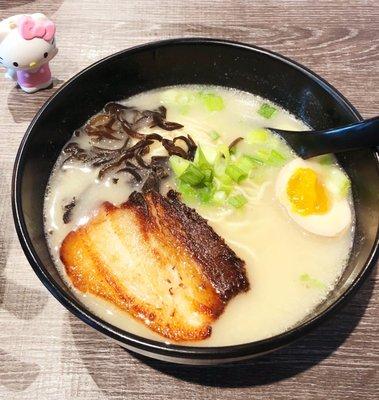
[224, 180]
[345, 188]
[259, 175]
[220, 197]
[259, 135]
[224, 186]
[184, 109]
[208, 175]
[256, 160]
[210, 153]
[219, 167]
[205, 194]
[266, 110]
[275, 142]
[214, 135]
[263, 155]
[214, 174]
[337, 182]
[326, 159]
[192, 175]
[237, 201]
[276, 158]
[178, 97]
[178, 165]
[246, 163]
[224, 150]
[200, 160]
[269, 157]
[188, 192]
[311, 282]
[211, 101]
[236, 173]
[185, 98]
[169, 96]
[181, 98]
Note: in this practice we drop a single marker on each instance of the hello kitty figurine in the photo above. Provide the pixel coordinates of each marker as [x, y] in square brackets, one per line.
[27, 44]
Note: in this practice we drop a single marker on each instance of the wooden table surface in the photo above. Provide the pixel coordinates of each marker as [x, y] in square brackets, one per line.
[46, 353]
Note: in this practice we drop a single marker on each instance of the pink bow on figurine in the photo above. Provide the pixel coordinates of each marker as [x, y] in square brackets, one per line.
[30, 28]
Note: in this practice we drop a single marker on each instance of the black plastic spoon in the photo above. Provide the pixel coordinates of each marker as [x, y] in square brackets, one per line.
[309, 144]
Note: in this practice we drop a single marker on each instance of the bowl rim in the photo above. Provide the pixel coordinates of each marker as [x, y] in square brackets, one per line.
[175, 352]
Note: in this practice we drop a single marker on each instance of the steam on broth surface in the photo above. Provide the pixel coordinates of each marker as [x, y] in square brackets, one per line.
[290, 270]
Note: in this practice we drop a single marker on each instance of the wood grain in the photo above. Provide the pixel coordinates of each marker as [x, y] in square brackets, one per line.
[45, 353]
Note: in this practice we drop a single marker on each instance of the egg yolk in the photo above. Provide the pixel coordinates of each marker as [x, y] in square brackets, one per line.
[306, 193]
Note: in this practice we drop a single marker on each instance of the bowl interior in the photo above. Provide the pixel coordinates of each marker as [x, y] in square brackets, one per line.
[187, 62]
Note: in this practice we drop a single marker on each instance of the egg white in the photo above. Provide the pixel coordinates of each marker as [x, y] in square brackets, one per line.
[330, 224]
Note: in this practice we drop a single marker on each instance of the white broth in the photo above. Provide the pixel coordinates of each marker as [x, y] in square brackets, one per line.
[278, 253]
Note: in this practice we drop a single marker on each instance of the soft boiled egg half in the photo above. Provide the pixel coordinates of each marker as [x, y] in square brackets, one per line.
[315, 196]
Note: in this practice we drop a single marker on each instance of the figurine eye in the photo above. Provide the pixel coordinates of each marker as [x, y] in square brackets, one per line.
[15, 64]
[46, 54]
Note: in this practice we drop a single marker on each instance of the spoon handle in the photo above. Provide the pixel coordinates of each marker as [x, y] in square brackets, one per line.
[359, 135]
[363, 134]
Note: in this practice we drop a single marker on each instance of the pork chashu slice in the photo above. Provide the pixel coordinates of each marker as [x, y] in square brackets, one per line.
[159, 260]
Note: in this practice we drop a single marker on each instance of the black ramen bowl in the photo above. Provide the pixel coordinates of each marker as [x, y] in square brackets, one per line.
[190, 61]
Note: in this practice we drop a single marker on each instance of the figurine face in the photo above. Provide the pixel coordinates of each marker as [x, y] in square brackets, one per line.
[18, 51]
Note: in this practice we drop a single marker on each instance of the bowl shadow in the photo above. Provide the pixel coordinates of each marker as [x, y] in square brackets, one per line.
[12, 297]
[282, 364]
